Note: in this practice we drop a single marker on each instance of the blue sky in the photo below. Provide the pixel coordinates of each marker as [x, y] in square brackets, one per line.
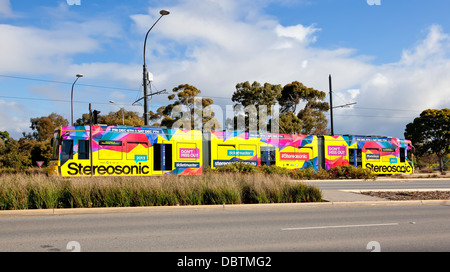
[391, 59]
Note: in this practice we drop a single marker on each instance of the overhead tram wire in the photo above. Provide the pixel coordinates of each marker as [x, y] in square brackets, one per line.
[58, 100]
[68, 83]
[137, 90]
[156, 107]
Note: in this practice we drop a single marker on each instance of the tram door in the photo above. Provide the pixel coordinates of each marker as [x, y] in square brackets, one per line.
[355, 157]
[268, 155]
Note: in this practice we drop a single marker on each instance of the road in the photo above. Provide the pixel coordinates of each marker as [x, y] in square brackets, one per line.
[383, 184]
[293, 227]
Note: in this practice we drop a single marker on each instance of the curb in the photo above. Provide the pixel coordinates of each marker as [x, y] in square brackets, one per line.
[370, 180]
[219, 208]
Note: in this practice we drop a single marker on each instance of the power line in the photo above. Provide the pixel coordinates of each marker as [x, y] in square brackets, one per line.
[135, 90]
[60, 100]
[69, 83]
[156, 107]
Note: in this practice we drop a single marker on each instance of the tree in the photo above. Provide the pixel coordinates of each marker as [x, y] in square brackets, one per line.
[32, 147]
[187, 108]
[256, 95]
[311, 117]
[430, 134]
[36, 146]
[44, 127]
[11, 153]
[292, 120]
[129, 118]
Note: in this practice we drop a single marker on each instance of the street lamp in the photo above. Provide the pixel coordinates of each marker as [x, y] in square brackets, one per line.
[122, 109]
[145, 80]
[71, 97]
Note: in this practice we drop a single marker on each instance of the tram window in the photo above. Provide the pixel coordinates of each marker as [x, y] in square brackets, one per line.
[268, 155]
[83, 149]
[66, 151]
[402, 154]
[55, 145]
[162, 157]
[351, 156]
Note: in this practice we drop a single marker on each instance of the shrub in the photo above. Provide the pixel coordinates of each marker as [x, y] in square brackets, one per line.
[350, 172]
[274, 170]
[21, 191]
[237, 167]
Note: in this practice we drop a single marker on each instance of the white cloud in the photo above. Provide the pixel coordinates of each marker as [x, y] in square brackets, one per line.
[216, 44]
[29, 50]
[434, 47]
[16, 120]
[299, 33]
[5, 9]
[222, 51]
[400, 91]
[354, 93]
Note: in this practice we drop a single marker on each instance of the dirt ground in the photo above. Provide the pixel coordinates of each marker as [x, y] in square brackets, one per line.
[414, 195]
[423, 175]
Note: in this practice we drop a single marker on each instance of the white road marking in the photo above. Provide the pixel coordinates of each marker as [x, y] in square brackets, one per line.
[341, 226]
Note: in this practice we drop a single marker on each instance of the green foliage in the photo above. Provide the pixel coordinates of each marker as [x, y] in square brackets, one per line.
[430, 134]
[35, 146]
[120, 117]
[44, 127]
[290, 123]
[256, 94]
[350, 172]
[184, 112]
[308, 120]
[42, 192]
[341, 172]
[13, 155]
[237, 167]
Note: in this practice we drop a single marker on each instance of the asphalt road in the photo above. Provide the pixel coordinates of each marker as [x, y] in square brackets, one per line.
[383, 184]
[272, 228]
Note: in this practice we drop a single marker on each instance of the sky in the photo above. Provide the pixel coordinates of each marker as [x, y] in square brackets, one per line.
[390, 57]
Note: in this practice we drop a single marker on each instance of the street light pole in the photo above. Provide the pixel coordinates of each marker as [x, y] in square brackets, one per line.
[71, 98]
[122, 109]
[145, 79]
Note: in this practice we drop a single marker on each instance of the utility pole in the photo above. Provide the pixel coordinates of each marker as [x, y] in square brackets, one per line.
[331, 107]
[90, 138]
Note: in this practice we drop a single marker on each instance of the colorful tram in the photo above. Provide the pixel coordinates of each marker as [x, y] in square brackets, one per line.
[145, 151]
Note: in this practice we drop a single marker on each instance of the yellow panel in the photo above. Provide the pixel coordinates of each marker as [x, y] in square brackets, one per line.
[246, 152]
[105, 154]
[134, 148]
[224, 152]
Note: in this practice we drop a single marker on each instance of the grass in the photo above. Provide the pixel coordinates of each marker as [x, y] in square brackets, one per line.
[38, 191]
[341, 172]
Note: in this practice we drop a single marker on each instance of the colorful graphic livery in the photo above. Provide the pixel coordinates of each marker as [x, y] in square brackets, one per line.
[144, 151]
[382, 155]
[119, 151]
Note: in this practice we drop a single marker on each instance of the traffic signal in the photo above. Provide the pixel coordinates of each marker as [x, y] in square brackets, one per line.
[95, 116]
